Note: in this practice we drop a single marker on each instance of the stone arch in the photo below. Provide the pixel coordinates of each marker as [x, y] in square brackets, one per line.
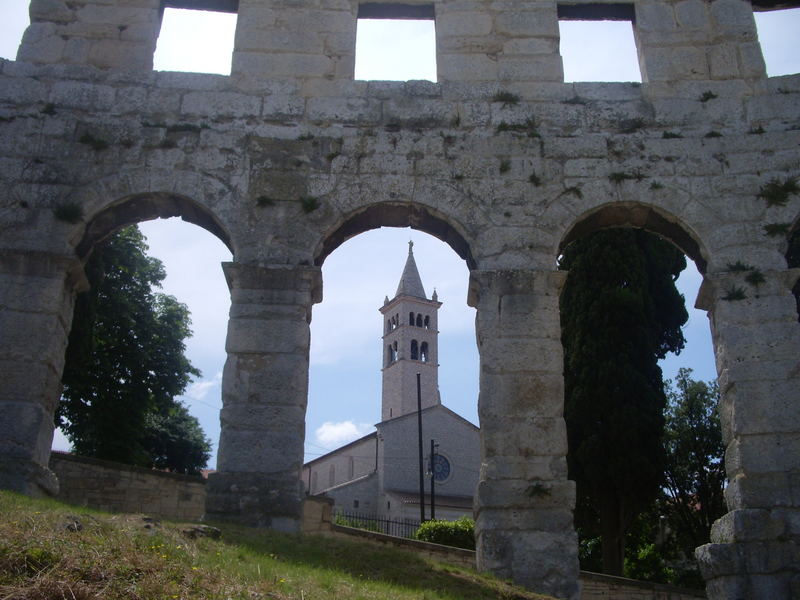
[397, 214]
[145, 194]
[144, 207]
[639, 216]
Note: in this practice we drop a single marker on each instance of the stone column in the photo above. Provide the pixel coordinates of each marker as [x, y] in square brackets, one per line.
[264, 395]
[106, 35]
[511, 43]
[755, 549]
[295, 40]
[695, 40]
[524, 503]
[37, 294]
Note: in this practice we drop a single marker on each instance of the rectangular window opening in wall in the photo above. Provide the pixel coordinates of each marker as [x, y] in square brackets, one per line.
[395, 42]
[597, 42]
[779, 35]
[196, 41]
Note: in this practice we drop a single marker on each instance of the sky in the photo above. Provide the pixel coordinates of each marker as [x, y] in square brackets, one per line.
[346, 349]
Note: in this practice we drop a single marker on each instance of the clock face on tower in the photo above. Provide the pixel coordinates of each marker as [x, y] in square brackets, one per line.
[441, 468]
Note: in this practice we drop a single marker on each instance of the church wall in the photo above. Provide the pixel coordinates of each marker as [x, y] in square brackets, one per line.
[360, 496]
[458, 442]
[362, 454]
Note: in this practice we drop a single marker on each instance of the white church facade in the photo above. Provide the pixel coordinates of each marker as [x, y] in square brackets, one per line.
[379, 474]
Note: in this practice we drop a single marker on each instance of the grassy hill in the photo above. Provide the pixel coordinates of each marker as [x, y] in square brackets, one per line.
[53, 551]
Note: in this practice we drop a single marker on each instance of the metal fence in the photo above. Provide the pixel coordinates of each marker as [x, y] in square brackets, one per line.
[405, 528]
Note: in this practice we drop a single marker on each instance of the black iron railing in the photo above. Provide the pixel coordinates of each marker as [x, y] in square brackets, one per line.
[405, 528]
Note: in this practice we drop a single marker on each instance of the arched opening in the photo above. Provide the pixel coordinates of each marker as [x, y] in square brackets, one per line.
[145, 207]
[346, 394]
[638, 216]
[423, 352]
[198, 284]
[427, 322]
[612, 287]
[387, 214]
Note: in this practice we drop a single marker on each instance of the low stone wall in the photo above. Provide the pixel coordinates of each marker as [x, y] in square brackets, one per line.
[115, 487]
[595, 586]
[437, 552]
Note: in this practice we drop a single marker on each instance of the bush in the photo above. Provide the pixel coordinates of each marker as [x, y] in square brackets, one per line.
[459, 533]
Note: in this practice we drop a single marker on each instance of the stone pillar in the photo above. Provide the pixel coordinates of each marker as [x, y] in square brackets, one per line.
[264, 396]
[295, 40]
[755, 549]
[696, 40]
[524, 503]
[37, 294]
[107, 35]
[515, 43]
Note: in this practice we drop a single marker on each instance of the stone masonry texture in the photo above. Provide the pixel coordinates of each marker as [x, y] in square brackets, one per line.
[289, 156]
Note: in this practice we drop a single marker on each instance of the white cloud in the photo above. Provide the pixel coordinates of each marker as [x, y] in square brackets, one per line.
[331, 435]
[199, 389]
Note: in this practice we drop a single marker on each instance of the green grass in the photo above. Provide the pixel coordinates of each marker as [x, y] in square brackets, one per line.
[44, 556]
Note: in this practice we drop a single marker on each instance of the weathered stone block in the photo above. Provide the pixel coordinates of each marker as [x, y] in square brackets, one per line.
[530, 394]
[84, 96]
[747, 526]
[527, 437]
[266, 451]
[221, 103]
[766, 453]
[456, 24]
[265, 379]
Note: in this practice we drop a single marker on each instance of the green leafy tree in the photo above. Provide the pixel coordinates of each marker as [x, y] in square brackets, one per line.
[793, 261]
[176, 441]
[620, 314]
[695, 472]
[125, 361]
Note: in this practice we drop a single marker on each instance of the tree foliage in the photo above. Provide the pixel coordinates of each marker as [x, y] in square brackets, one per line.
[620, 313]
[695, 473]
[125, 364]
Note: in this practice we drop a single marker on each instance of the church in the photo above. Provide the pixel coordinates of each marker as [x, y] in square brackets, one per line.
[379, 474]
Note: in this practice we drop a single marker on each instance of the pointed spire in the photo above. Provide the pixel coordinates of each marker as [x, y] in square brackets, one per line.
[410, 281]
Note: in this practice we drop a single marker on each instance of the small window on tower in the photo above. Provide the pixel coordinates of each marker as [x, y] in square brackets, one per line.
[411, 318]
[423, 352]
[419, 320]
[414, 350]
[427, 322]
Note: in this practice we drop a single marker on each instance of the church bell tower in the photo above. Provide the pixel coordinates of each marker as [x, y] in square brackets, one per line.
[410, 345]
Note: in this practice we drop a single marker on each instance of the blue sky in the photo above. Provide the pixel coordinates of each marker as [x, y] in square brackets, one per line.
[345, 379]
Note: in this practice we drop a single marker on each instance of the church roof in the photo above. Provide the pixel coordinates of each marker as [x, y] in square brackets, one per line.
[410, 281]
[439, 407]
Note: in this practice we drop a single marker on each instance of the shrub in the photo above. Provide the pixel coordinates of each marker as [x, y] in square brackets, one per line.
[459, 533]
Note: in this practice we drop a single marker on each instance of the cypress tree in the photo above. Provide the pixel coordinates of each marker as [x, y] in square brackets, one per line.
[620, 314]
